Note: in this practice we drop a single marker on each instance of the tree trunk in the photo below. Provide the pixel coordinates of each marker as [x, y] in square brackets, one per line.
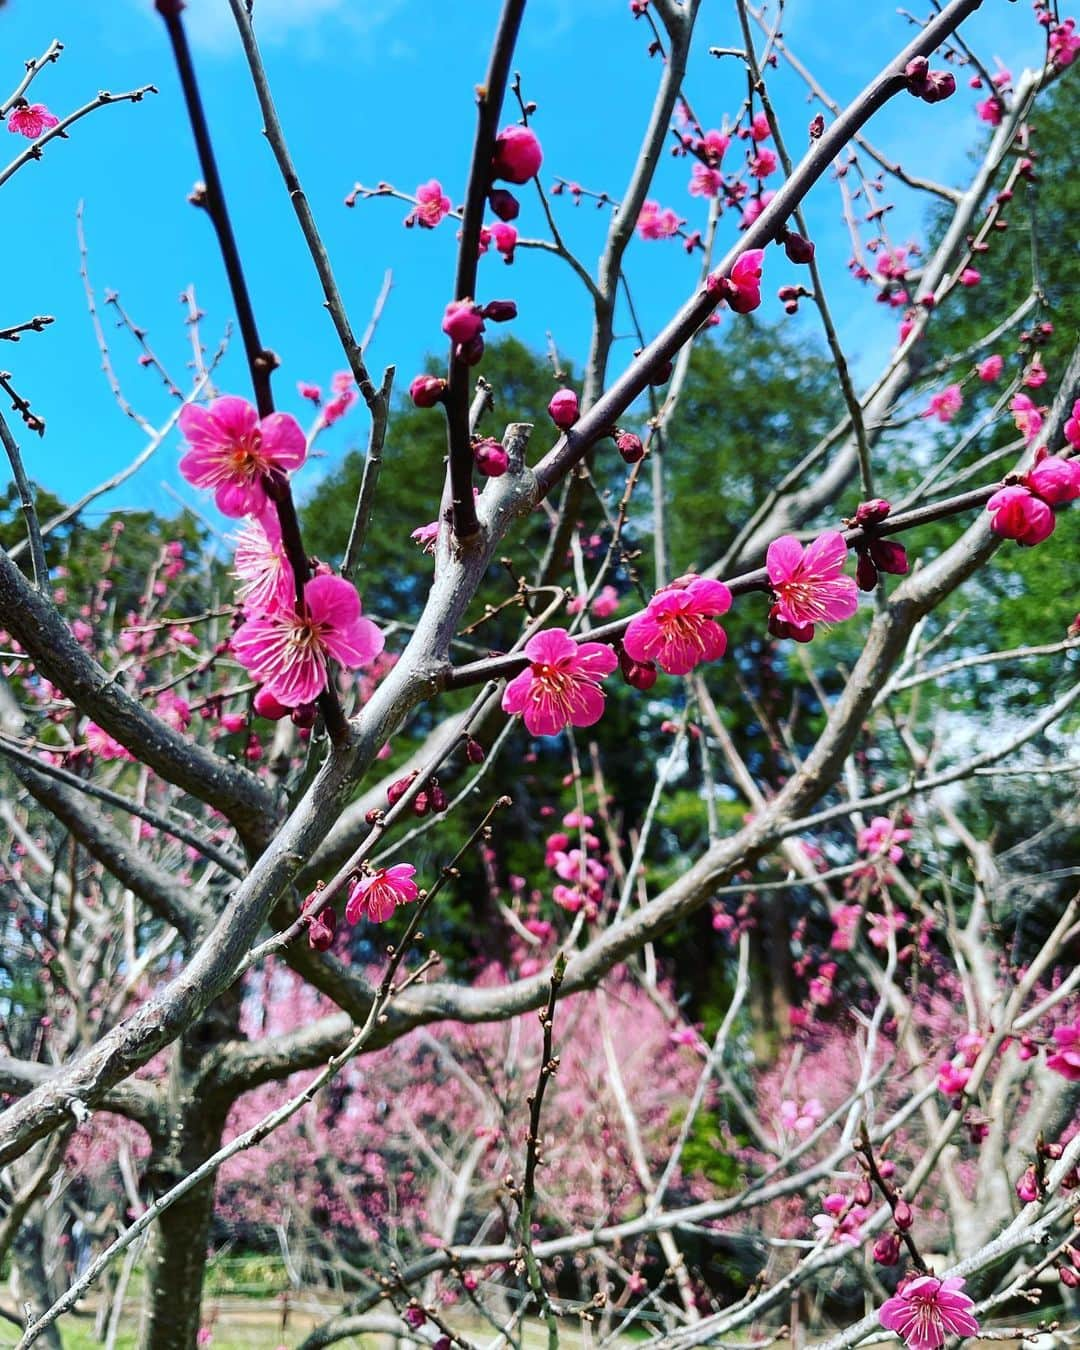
[33, 1282]
[175, 1272]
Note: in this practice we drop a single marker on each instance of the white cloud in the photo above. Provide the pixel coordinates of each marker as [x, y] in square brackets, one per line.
[210, 23]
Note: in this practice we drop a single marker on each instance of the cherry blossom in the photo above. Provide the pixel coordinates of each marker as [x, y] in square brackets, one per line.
[287, 653]
[265, 578]
[561, 685]
[378, 894]
[926, 1310]
[30, 120]
[232, 451]
[809, 584]
[677, 630]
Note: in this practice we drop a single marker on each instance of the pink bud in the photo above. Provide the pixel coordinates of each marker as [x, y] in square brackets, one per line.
[1055, 480]
[863, 1194]
[637, 674]
[233, 722]
[416, 1317]
[517, 156]
[1068, 1277]
[1018, 514]
[629, 446]
[940, 85]
[321, 929]
[970, 277]
[902, 1215]
[304, 715]
[398, 789]
[469, 353]
[990, 369]
[563, 408]
[871, 512]
[887, 1249]
[491, 459]
[266, 705]
[427, 390]
[1027, 1188]
[462, 321]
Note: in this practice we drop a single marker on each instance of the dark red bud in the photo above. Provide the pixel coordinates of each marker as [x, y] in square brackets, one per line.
[321, 929]
[869, 513]
[661, 374]
[637, 674]
[915, 72]
[887, 1249]
[503, 204]
[469, 353]
[500, 311]
[940, 84]
[817, 127]
[421, 805]
[1068, 1277]
[438, 798]
[373, 816]
[798, 248]
[305, 715]
[866, 574]
[266, 705]
[427, 390]
[398, 789]
[629, 446]
[889, 556]
[474, 751]
[863, 1194]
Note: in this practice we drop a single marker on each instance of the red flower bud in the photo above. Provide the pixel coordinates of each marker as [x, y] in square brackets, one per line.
[427, 390]
[500, 311]
[469, 353]
[398, 789]
[503, 204]
[866, 574]
[869, 513]
[889, 556]
[421, 805]
[887, 1249]
[637, 674]
[491, 459]
[305, 715]
[266, 705]
[902, 1215]
[863, 1193]
[438, 797]
[321, 929]
[798, 249]
[629, 446]
[474, 751]
[517, 156]
[563, 408]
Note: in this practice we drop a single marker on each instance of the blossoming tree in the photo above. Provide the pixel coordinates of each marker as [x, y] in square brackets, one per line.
[210, 896]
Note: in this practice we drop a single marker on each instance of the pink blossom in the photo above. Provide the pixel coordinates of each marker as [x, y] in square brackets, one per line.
[427, 390]
[1018, 514]
[656, 222]
[1027, 1188]
[1072, 426]
[1064, 44]
[311, 392]
[462, 321]
[432, 205]
[561, 685]
[759, 127]
[763, 163]
[845, 920]
[517, 156]
[100, 743]
[30, 120]
[505, 237]
[927, 1310]
[881, 837]
[945, 404]
[754, 208]
[232, 450]
[713, 145]
[809, 584]
[677, 629]
[605, 603]
[742, 289]
[377, 895]
[970, 277]
[1066, 1059]
[337, 407]
[265, 578]
[1035, 375]
[287, 653]
[990, 369]
[705, 181]
[1027, 416]
[990, 110]
[952, 1076]
[1055, 480]
[801, 1120]
[426, 535]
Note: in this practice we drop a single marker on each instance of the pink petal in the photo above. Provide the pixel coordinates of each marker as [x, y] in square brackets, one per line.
[826, 554]
[783, 559]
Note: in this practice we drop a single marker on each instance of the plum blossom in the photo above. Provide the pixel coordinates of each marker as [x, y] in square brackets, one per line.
[517, 156]
[970, 276]
[705, 181]
[1054, 479]
[990, 369]
[100, 743]
[742, 289]
[804, 1119]
[561, 685]
[656, 222]
[1066, 1058]
[926, 1310]
[1064, 44]
[754, 208]
[231, 450]
[763, 163]
[30, 120]
[563, 408]
[945, 404]
[809, 584]
[287, 653]
[842, 1220]
[882, 838]
[265, 578]
[677, 630]
[377, 895]
[1016, 513]
[432, 205]
[1027, 416]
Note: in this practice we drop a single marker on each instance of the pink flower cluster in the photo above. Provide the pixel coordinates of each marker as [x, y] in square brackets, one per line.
[1024, 511]
[1066, 1058]
[656, 222]
[576, 863]
[843, 1220]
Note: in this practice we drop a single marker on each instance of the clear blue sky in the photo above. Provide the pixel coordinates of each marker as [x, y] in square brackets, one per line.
[370, 91]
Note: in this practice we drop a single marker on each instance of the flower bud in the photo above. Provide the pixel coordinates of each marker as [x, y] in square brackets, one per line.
[517, 156]
[871, 512]
[639, 675]
[398, 789]
[469, 353]
[427, 390]
[866, 574]
[889, 556]
[915, 72]
[491, 459]
[940, 85]
[304, 716]
[321, 929]
[887, 1249]
[902, 1215]
[438, 797]
[662, 373]
[563, 408]
[629, 446]
[503, 204]
[421, 805]
[415, 1316]
[1027, 1188]
[474, 751]
[266, 705]
[798, 249]
[500, 311]
[863, 1193]
[1068, 1277]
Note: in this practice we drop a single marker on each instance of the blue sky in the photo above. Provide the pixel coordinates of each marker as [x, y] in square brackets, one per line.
[380, 90]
